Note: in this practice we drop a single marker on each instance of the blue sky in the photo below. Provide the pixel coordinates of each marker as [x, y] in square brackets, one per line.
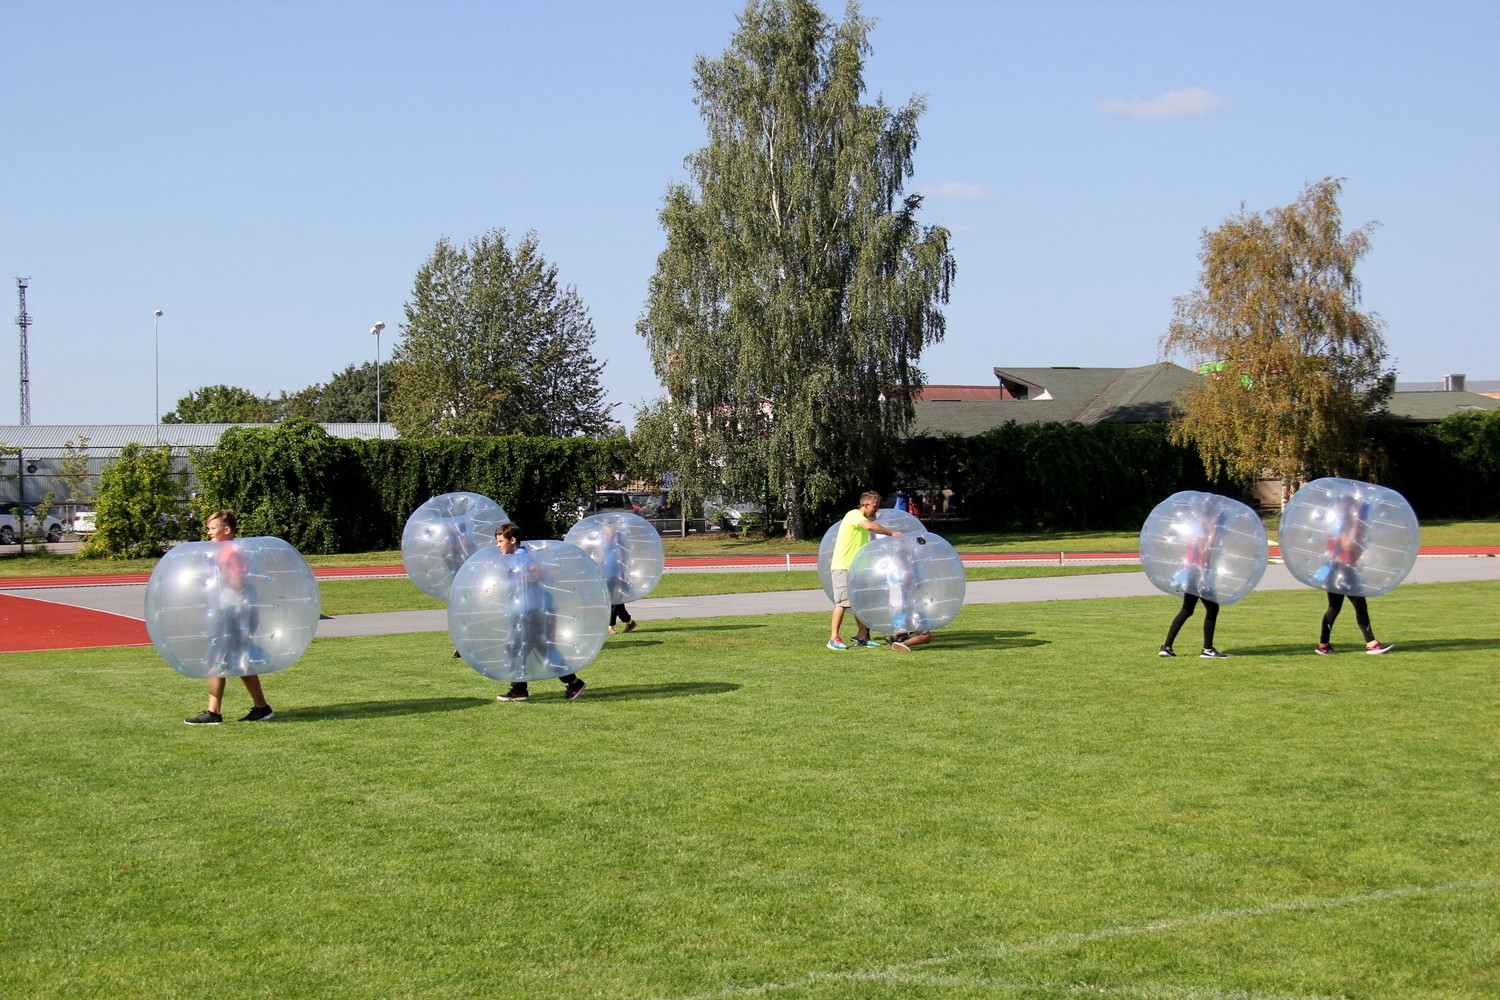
[271, 175]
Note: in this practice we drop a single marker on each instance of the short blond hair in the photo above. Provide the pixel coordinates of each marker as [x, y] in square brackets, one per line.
[869, 496]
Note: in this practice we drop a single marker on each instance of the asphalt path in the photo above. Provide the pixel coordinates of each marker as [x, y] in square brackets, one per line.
[128, 599]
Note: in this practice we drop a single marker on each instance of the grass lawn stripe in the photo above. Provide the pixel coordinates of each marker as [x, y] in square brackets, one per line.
[731, 805]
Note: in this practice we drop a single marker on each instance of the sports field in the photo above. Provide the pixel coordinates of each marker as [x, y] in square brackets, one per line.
[1033, 806]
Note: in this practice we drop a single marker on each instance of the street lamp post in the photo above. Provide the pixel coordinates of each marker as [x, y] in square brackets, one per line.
[156, 337]
[376, 331]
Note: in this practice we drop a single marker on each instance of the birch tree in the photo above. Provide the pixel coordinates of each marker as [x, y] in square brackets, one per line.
[1293, 369]
[797, 290]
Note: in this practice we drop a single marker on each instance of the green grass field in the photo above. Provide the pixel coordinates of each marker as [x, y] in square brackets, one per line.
[1034, 806]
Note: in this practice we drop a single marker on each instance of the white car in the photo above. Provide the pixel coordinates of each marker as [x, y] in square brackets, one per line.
[734, 516]
[83, 522]
[50, 526]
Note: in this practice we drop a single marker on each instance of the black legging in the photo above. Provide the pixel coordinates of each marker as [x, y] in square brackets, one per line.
[1210, 619]
[1361, 616]
[617, 613]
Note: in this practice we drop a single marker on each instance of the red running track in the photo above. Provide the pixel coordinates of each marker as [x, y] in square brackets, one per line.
[28, 625]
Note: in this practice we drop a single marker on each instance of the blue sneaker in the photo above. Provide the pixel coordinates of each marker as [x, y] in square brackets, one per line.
[836, 643]
[867, 643]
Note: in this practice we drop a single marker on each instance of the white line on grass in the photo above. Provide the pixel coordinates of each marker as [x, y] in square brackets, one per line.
[909, 971]
[1151, 991]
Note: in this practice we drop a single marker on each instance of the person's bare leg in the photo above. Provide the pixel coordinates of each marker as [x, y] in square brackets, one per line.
[216, 695]
[862, 631]
[838, 620]
[920, 639]
[252, 684]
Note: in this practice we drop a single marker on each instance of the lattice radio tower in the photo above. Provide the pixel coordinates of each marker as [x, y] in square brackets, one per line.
[23, 321]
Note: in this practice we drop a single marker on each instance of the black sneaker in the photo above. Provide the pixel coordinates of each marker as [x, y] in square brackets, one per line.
[575, 689]
[259, 714]
[457, 655]
[205, 718]
[517, 692]
[1212, 654]
[1165, 651]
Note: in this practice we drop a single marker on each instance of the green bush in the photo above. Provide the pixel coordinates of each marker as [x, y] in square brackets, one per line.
[1447, 469]
[137, 508]
[326, 494]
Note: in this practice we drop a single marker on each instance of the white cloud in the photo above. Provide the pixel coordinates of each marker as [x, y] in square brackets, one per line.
[1172, 104]
[958, 190]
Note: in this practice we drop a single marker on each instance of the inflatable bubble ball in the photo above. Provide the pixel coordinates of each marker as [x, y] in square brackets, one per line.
[442, 533]
[906, 583]
[628, 550]
[230, 609]
[1205, 545]
[1349, 537]
[896, 520]
[540, 612]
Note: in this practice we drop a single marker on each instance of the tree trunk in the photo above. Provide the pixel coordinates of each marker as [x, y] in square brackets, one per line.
[793, 512]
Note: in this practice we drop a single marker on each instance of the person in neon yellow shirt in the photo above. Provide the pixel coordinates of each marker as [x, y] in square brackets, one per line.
[854, 534]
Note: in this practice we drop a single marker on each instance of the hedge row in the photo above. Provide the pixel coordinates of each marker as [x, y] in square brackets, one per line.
[1069, 476]
[1054, 476]
[325, 494]
[1450, 469]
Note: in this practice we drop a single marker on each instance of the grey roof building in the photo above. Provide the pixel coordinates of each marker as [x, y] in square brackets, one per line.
[1037, 395]
[1127, 395]
[37, 451]
[106, 437]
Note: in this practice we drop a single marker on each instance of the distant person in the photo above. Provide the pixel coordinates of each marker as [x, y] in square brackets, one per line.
[234, 622]
[1340, 574]
[613, 551]
[1196, 575]
[535, 632]
[854, 534]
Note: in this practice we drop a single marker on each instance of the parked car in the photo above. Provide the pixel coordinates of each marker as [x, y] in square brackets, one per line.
[50, 527]
[647, 504]
[83, 522]
[733, 515]
[604, 500]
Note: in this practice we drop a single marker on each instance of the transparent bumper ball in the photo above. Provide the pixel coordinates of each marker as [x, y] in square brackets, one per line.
[890, 517]
[628, 550]
[907, 583]
[540, 612]
[1205, 545]
[444, 532]
[1349, 537]
[231, 609]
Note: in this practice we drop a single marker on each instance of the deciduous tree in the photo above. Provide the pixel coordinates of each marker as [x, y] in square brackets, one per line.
[1293, 368]
[222, 404]
[492, 344]
[797, 290]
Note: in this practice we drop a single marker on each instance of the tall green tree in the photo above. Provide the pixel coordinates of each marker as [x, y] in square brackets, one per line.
[222, 404]
[797, 290]
[492, 344]
[1294, 368]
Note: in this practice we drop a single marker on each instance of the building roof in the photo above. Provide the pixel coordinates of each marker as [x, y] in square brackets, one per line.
[1088, 395]
[934, 393]
[1430, 407]
[115, 436]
